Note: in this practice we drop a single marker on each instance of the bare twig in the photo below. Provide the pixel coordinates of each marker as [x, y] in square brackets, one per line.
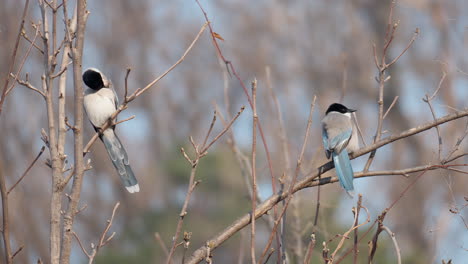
[25, 36]
[439, 137]
[356, 214]
[226, 128]
[28, 85]
[449, 157]
[359, 129]
[103, 240]
[124, 120]
[254, 171]
[81, 244]
[444, 74]
[373, 242]
[17, 251]
[310, 248]
[126, 83]
[286, 160]
[395, 242]
[354, 227]
[163, 246]
[410, 43]
[210, 129]
[391, 106]
[27, 170]
[20, 68]
[139, 91]
[428, 100]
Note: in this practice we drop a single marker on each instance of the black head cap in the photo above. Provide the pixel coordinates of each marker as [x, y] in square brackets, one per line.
[336, 107]
[93, 79]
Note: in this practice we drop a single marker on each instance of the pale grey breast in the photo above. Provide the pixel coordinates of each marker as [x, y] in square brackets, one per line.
[99, 105]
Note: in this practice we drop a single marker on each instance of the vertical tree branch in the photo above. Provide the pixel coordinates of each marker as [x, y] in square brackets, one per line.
[287, 170]
[356, 221]
[5, 219]
[3, 188]
[77, 56]
[56, 200]
[254, 168]
[62, 127]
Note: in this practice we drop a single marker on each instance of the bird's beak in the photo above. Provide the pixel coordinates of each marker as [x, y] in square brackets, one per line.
[351, 110]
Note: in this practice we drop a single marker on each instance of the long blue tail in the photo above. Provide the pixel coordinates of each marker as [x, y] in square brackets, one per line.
[119, 158]
[344, 171]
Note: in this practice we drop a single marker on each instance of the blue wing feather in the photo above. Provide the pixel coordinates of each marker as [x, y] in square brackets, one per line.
[325, 143]
[339, 142]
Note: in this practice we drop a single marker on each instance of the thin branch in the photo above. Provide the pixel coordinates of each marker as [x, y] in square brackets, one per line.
[124, 120]
[139, 91]
[456, 147]
[310, 248]
[373, 242]
[27, 170]
[103, 241]
[28, 85]
[356, 212]
[163, 246]
[391, 106]
[286, 160]
[81, 244]
[20, 68]
[226, 128]
[355, 226]
[126, 82]
[25, 36]
[444, 74]
[210, 129]
[395, 242]
[439, 137]
[254, 171]
[17, 252]
[415, 35]
[361, 135]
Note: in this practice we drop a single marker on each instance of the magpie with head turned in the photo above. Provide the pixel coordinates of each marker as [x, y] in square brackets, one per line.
[339, 136]
[100, 102]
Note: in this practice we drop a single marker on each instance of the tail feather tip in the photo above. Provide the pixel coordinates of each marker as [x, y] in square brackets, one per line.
[350, 193]
[133, 189]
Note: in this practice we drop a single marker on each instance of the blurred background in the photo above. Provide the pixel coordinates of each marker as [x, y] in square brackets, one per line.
[309, 48]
